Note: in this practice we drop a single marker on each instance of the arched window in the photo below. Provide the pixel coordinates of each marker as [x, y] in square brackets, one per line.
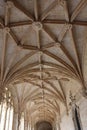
[6, 111]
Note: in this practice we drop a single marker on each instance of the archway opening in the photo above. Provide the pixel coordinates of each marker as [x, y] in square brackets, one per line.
[43, 125]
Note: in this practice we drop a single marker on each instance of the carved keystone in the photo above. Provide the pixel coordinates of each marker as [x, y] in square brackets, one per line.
[7, 29]
[37, 26]
[40, 52]
[62, 2]
[68, 26]
[57, 44]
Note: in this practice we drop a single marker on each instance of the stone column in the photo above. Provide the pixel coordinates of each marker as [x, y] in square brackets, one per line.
[30, 127]
[58, 125]
[54, 126]
[59, 128]
[15, 121]
[5, 116]
[19, 120]
[1, 110]
[8, 114]
[25, 125]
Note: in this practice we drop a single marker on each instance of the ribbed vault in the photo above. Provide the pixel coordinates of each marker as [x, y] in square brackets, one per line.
[43, 55]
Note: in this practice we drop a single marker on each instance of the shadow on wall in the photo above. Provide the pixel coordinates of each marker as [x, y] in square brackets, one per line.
[43, 126]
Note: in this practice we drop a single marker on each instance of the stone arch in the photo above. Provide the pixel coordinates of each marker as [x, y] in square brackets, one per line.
[43, 125]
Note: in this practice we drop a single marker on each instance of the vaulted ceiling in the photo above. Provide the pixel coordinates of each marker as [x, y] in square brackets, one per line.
[43, 56]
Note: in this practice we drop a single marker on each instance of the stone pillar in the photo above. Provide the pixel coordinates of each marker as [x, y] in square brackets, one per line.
[58, 125]
[30, 127]
[54, 126]
[25, 125]
[59, 128]
[33, 128]
[8, 113]
[5, 116]
[1, 110]
[19, 120]
[15, 121]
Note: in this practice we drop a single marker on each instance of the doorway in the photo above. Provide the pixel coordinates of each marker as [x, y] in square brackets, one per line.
[44, 125]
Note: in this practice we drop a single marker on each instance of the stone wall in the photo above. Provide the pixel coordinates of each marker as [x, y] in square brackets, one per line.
[67, 122]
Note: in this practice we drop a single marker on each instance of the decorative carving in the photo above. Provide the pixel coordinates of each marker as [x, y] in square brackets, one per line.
[75, 113]
[37, 26]
[6, 29]
[62, 2]
[57, 44]
[73, 99]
